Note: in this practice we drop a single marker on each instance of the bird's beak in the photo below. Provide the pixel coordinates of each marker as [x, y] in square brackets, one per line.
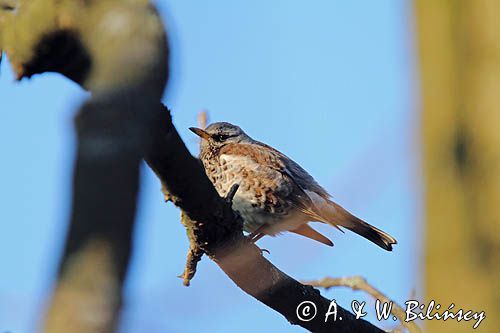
[201, 133]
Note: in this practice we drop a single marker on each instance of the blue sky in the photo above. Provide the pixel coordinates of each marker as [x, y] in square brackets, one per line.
[330, 83]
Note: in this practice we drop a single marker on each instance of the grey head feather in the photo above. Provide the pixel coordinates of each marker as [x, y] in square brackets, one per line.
[224, 133]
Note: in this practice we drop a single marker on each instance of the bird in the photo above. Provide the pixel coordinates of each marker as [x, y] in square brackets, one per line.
[274, 194]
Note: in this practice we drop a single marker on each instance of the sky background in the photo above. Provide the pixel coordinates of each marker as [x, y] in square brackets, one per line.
[331, 84]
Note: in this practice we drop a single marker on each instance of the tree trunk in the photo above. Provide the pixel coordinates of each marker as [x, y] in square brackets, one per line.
[459, 45]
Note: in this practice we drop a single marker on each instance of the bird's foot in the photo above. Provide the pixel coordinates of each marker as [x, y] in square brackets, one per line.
[232, 192]
[253, 238]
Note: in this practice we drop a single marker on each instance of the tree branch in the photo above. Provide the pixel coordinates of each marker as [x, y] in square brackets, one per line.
[360, 283]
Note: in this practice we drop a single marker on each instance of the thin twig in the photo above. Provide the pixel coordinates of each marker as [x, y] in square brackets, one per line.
[360, 283]
[194, 255]
[203, 119]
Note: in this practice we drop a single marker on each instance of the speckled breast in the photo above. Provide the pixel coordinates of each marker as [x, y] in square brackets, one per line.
[261, 197]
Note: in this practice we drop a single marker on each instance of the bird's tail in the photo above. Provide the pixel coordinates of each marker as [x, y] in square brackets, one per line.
[335, 215]
[377, 236]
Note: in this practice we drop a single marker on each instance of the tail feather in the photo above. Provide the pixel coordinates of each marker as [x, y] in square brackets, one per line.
[345, 219]
[377, 236]
[306, 231]
[335, 215]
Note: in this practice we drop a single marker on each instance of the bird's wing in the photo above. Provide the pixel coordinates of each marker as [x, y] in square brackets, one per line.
[301, 182]
[301, 176]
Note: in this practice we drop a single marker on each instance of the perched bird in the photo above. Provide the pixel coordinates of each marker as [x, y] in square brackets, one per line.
[275, 194]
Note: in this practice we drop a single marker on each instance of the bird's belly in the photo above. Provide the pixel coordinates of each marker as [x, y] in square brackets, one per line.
[255, 216]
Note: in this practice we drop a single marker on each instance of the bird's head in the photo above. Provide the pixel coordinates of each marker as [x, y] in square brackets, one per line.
[219, 134]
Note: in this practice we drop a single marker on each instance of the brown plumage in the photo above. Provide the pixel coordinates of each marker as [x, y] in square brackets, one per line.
[275, 194]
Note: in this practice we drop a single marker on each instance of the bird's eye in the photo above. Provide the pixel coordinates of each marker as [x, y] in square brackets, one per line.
[221, 137]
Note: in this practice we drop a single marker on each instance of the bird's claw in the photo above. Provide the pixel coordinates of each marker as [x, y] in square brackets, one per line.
[264, 250]
[252, 239]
